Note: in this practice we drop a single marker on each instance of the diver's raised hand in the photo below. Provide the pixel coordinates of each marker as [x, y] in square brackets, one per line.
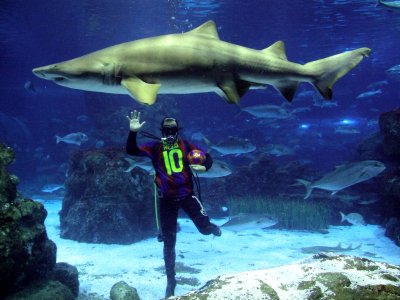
[134, 121]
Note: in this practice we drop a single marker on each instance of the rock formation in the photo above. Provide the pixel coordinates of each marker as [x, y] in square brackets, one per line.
[27, 256]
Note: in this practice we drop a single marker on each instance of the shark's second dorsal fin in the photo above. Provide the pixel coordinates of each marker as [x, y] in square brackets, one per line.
[277, 49]
[207, 29]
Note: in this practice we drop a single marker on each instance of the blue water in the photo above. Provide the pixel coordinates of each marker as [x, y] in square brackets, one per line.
[33, 111]
[36, 33]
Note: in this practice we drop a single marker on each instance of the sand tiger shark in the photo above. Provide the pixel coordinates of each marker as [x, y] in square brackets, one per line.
[196, 61]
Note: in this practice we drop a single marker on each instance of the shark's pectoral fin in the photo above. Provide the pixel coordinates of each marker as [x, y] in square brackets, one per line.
[287, 89]
[232, 90]
[143, 92]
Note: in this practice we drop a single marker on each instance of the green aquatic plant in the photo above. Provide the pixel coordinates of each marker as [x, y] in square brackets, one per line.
[297, 214]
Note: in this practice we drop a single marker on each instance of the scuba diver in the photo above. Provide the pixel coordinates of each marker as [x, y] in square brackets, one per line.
[173, 177]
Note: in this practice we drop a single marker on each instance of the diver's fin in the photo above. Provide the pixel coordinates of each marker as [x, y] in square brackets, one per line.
[143, 92]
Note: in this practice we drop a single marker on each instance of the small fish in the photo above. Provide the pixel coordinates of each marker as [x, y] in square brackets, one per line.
[377, 85]
[394, 72]
[368, 201]
[82, 118]
[318, 249]
[277, 150]
[76, 138]
[343, 130]
[268, 111]
[218, 169]
[344, 176]
[50, 188]
[29, 86]
[353, 218]
[247, 221]
[232, 145]
[369, 94]
[143, 163]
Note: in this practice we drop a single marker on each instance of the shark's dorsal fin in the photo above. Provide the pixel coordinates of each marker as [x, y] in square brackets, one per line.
[207, 29]
[277, 49]
[143, 92]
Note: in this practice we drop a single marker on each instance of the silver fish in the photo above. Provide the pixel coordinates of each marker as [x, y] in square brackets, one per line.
[394, 72]
[268, 111]
[369, 94]
[277, 150]
[233, 145]
[218, 169]
[143, 163]
[50, 188]
[344, 176]
[76, 138]
[353, 218]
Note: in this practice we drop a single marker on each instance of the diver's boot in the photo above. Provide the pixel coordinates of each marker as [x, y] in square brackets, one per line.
[215, 230]
[171, 284]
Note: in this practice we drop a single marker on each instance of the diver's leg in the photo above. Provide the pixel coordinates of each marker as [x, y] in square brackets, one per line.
[196, 212]
[168, 218]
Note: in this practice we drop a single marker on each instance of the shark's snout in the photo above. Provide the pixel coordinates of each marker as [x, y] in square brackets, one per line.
[48, 72]
[39, 72]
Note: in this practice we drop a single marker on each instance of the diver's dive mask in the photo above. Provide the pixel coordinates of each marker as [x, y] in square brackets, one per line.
[169, 130]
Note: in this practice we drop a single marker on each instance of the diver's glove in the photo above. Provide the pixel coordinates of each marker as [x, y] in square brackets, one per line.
[134, 121]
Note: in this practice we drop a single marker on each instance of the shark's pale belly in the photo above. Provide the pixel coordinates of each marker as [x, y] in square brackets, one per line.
[188, 86]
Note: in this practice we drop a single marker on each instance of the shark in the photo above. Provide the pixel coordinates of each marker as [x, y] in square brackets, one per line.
[338, 248]
[197, 61]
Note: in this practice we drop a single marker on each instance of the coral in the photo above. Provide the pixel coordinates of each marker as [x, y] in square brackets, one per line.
[324, 277]
[26, 253]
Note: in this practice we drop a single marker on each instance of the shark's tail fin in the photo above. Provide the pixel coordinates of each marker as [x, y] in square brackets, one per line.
[328, 70]
[308, 186]
[343, 217]
[58, 139]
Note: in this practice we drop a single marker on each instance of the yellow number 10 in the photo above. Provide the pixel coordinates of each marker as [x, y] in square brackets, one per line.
[169, 161]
